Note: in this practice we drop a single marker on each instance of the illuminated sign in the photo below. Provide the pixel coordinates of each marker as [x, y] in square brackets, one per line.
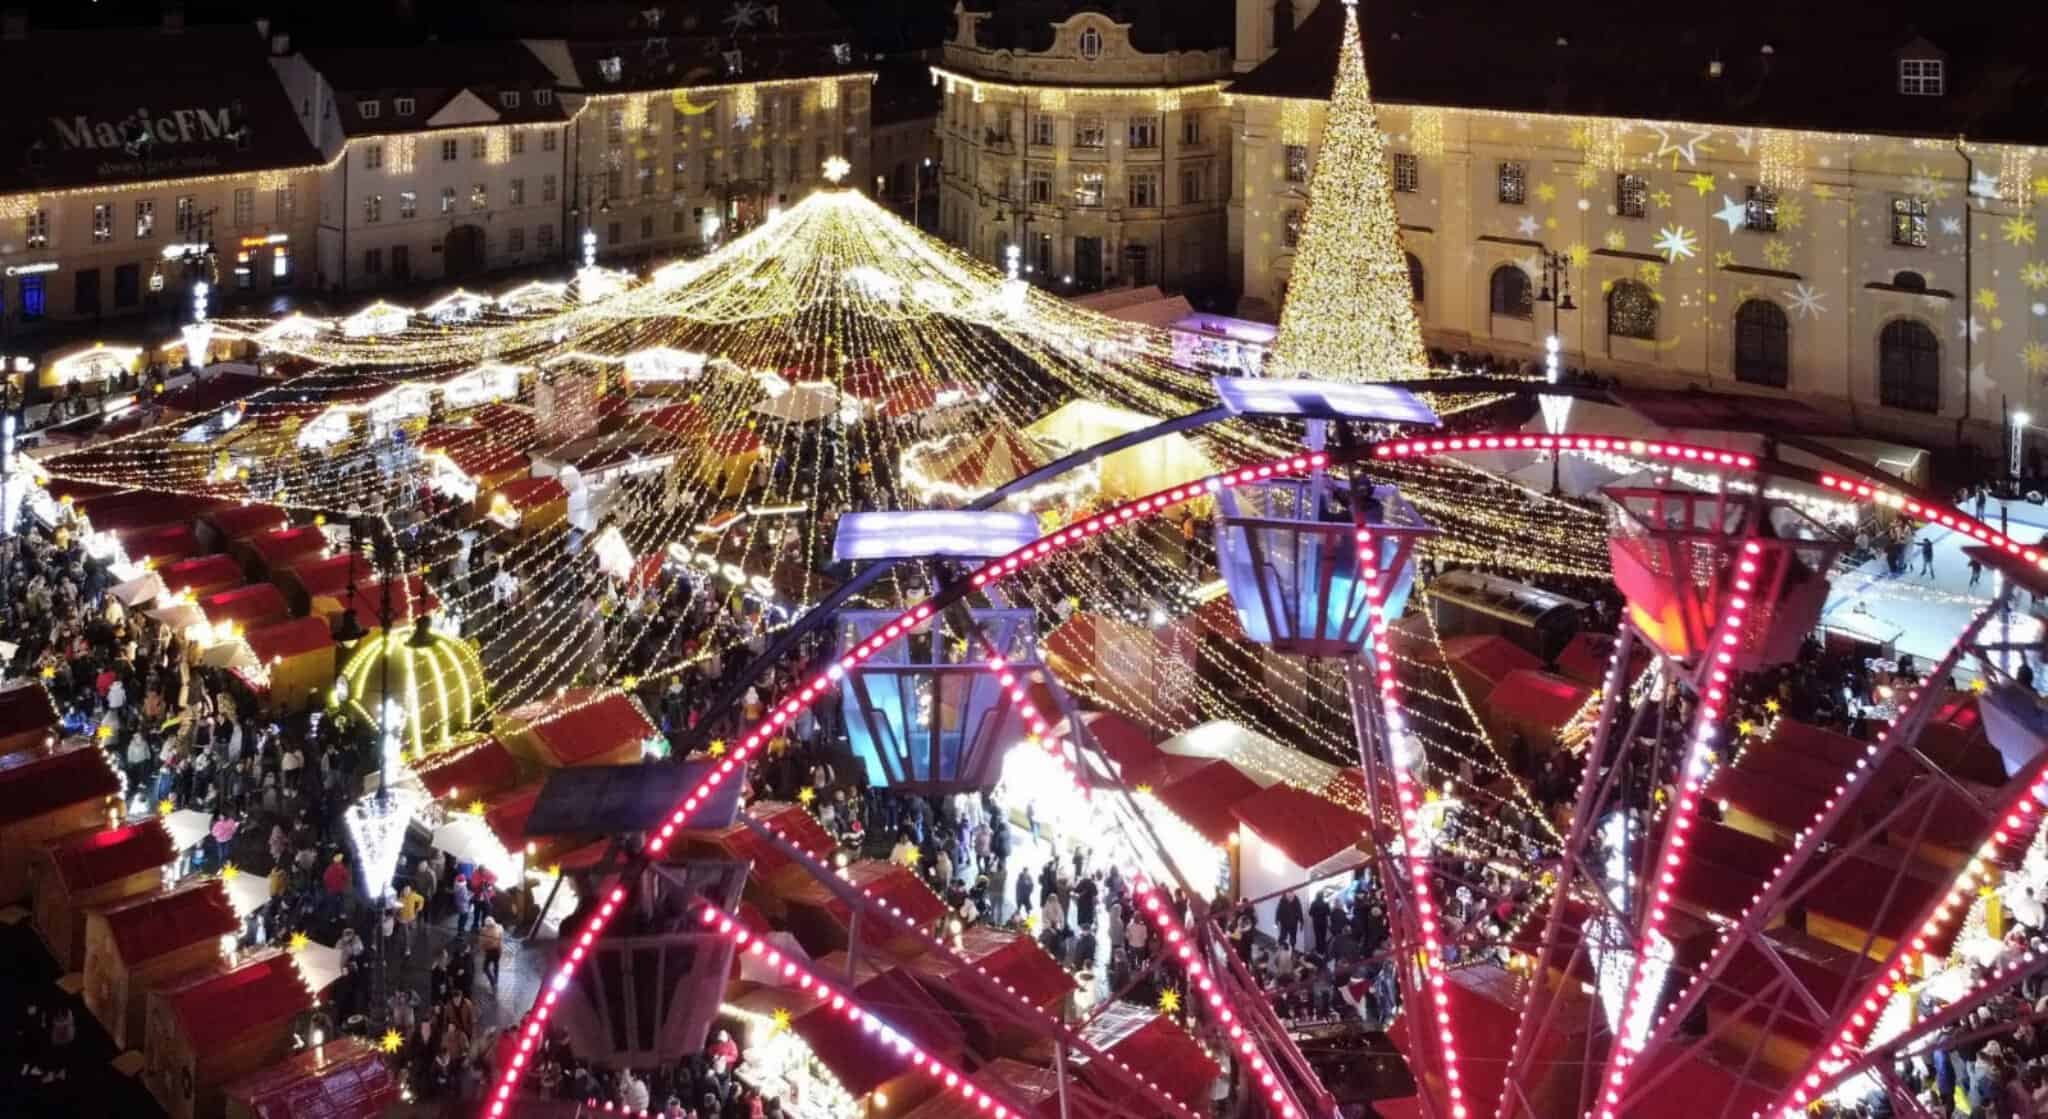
[180, 126]
[259, 242]
[32, 269]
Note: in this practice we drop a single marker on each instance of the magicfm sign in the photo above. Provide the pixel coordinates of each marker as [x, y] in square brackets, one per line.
[180, 126]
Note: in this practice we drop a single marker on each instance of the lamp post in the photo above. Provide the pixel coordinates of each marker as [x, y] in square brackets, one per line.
[917, 193]
[1556, 291]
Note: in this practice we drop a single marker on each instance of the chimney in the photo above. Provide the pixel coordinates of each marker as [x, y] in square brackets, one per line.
[14, 24]
[174, 18]
[281, 44]
[262, 26]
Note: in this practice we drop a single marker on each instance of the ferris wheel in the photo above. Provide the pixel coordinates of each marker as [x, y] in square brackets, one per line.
[1754, 920]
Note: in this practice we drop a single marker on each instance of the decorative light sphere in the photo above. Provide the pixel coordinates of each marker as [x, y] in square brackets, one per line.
[436, 681]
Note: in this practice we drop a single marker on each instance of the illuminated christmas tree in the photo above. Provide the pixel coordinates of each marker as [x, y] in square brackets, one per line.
[1348, 315]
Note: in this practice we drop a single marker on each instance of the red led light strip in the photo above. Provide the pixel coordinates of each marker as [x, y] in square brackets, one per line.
[1001, 568]
[945, 1075]
[1182, 945]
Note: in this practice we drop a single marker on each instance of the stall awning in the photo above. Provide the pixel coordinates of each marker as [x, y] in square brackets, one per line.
[234, 522]
[288, 639]
[1132, 749]
[860, 1060]
[884, 881]
[343, 1079]
[1011, 958]
[1035, 1087]
[97, 858]
[1306, 828]
[410, 599]
[573, 732]
[473, 770]
[163, 545]
[34, 784]
[1537, 696]
[202, 574]
[25, 708]
[1584, 658]
[331, 576]
[260, 991]
[257, 604]
[1154, 1047]
[287, 546]
[795, 824]
[532, 493]
[1489, 658]
[160, 923]
[1204, 798]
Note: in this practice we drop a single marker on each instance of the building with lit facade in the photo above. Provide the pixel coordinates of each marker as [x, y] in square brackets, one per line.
[441, 161]
[689, 128]
[1847, 249]
[1097, 143]
[134, 153]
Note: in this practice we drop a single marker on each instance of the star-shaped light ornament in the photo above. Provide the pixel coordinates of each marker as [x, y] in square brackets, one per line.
[1145, 789]
[780, 1020]
[166, 806]
[1745, 728]
[476, 808]
[913, 855]
[1701, 183]
[1675, 242]
[836, 170]
[299, 941]
[391, 1042]
[1733, 213]
[717, 747]
[806, 795]
[230, 872]
[1031, 923]
[1169, 1001]
[1771, 705]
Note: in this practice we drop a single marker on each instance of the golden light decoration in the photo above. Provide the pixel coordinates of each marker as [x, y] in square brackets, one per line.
[403, 150]
[476, 808]
[15, 207]
[298, 942]
[497, 146]
[1349, 314]
[1297, 122]
[779, 1022]
[1052, 100]
[828, 94]
[230, 872]
[633, 115]
[1168, 101]
[717, 747]
[1426, 132]
[391, 1042]
[836, 169]
[438, 684]
[1169, 1001]
[1781, 160]
[806, 795]
[2016, 174]
[1604, 147]
[166, 806]
[746, 101]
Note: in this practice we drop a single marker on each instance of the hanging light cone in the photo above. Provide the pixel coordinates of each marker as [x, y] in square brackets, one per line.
[1348, 315]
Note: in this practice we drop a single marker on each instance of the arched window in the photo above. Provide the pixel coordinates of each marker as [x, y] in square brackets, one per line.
[1091, 43]
[1511, 297]
[1631, 311]
[1283, 21]
[1761, 344]
[1908, 367]
[1415, 277]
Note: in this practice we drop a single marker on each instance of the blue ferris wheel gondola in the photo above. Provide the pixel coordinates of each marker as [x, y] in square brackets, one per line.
[925, 714]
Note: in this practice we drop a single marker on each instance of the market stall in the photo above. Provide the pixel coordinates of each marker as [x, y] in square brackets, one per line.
[296, 659]
[584, 726]
[1128, 474]
[346, 1078]
[1535, 705]
[949, 471]
[1153, 1046]
[45, 794]
[267, 553]
[771, 872]
[28, 717]
[132, 947]
[1011, 958]
[530, 505]
[863, 1062]
[192, 1049]
[310, 581]
[1291, 840]
[823, 922]
[244, 608]
[1130, 667]
[473, 766]
[85, 870]
[229, 523]
[202, 575]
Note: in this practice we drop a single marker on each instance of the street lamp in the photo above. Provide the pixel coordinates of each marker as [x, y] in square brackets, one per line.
[1556, 407]
[917, 193]
[2016, 446]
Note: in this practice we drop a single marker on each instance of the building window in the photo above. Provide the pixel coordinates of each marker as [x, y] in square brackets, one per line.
[515, 240]
[373, 209]
[408, 205]
[103, 221]
[1922, 77]
[245, 206]
[1190, 185]
[1908, 367]
[478, 198]
[1088, 188]
[543, 96]
[1297, 162]
[1514, 183]
[1190, 129]
[646, 226]
[518, 142]
[1631, 195]
[1909, 221]
[449, 151]
[1144, 132]
[1091, 43]
[370, 110]
[646, 176]
[1762, 344]
[145, 219]
[1631, 311]
[280, 266]
[1509, 295]
[37, 233]
[1039, 182]
[516, 193]
[1415, 277]
[544, 236]
[547, 188]
[1407, 172]
[373, 261]
[1145, 188]
[287, 203]
[611, 234]
[187, 214]
[373, 157]
[615, 126]
[547, 140]
[615, 183]
[404, 106]
[1088, 130]
[1760, 210]
[479, 146]
[1290, 227]
[447, 200]
[508, 98]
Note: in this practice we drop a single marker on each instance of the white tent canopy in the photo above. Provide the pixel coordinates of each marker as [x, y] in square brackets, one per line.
[1147, 468]
[804, 402]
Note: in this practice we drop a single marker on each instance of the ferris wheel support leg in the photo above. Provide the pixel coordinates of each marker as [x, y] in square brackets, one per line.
[1594, 788]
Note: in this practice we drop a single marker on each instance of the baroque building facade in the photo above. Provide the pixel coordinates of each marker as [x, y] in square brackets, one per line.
[1098, 146]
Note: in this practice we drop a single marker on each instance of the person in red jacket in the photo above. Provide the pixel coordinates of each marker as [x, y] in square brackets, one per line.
[337, 880]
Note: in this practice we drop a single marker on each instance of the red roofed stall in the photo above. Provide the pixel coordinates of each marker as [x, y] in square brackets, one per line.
[1012, 959]
[822, 922]
[1031, 1085]
[586, 726]
[1482, 661]
[533, 504]
[133, 946]
[307, 580]
[89, 869]
[299, 656]
[28, 717]
[219, 527]
[410, 598]
[202, 575]
[247, 607]
[1585, 658]
[46, 795]
[217, 1026]
[267, 553]
[1203, 799]
[1535, 704]
[162, 545]
[471, 770]
[1154, 1047]
[772, 871]
[861, 1061]
[1290, 840]
[344, 1079]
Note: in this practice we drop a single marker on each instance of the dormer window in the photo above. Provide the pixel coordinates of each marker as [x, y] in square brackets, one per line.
[1091, 44]
[610, 69]
[543, 96]
[1922, 77]
[369, 110]
[404, 105]
[508, 99]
